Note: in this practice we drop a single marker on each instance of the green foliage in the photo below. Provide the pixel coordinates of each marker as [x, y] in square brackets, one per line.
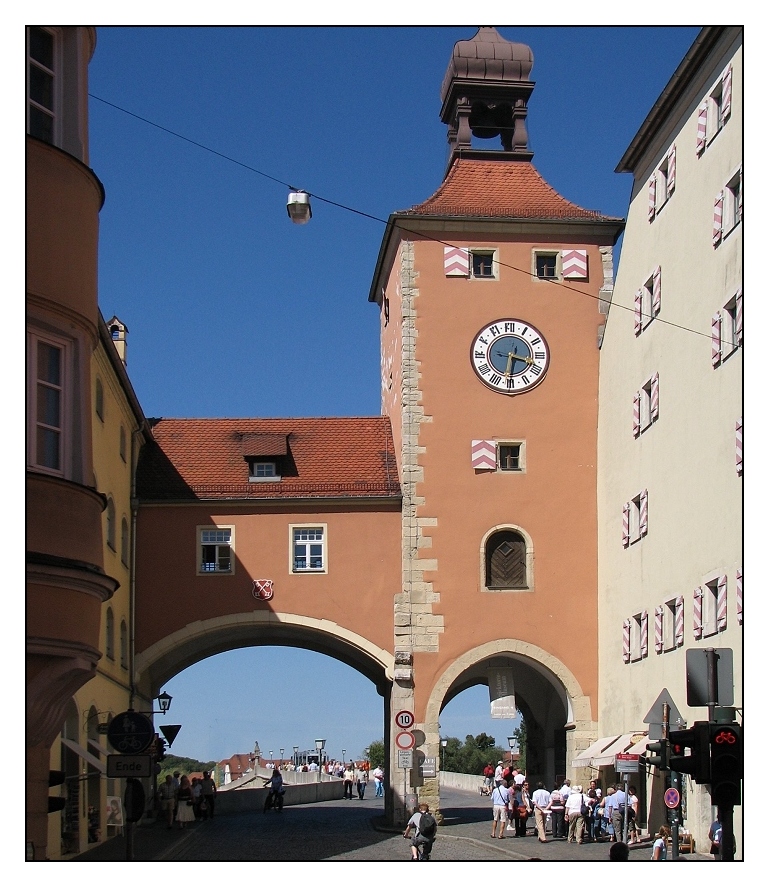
[376, 754]
[473, 755]
[520, 735]
[185, 766]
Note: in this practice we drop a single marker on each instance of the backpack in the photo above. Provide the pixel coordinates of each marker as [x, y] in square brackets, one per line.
[427, 825]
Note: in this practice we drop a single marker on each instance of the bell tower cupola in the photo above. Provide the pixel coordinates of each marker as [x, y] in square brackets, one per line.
[485, 93]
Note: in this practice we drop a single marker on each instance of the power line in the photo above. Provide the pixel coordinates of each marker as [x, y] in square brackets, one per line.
[366, 215]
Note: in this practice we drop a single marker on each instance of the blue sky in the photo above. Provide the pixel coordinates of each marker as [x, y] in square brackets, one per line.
[234, 311]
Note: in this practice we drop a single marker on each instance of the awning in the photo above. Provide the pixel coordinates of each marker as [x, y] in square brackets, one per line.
[85, 755]
[602, 752]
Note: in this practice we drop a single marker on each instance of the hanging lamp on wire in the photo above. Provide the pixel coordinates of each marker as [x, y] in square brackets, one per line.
[298, 207]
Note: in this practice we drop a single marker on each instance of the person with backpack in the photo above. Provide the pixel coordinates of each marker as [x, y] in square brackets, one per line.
[425, 828]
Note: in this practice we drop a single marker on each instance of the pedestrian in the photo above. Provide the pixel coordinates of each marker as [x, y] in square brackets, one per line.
[619, 852]
[618, 813]
[715, 833]
[208, 792]
[557, 814]
[632, 815]
[379, 782]
[592, 803]
[575, 815]
[168, 800]
[361, 777]
[606, 807]
[498, 773]
[348, 775]
[177, 774]
[500, 798]
[541, 799]
[660, 847]
[184, 803]
[524, 809]
[197, 796]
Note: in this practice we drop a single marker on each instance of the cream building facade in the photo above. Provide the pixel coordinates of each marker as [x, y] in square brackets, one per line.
[670, 415]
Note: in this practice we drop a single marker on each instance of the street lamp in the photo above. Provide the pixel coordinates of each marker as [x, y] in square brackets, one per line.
[271, 761]
[296, 755]
[281, 757]
[511, 743]
[319, 745]
[298, 207]
[164, 701]
[443, 750]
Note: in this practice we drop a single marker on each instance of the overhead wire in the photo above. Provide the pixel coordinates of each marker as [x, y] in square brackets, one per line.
[559, 283]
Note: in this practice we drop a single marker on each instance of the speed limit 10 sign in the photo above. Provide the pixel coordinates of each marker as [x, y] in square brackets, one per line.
[404, 720]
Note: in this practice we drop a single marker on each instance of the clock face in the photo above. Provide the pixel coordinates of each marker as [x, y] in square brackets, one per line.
[510, 356]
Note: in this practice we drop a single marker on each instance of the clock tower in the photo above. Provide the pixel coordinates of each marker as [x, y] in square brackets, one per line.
[492, 297]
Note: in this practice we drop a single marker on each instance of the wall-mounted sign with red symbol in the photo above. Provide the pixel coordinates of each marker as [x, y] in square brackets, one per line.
[262, 589]
[404, 741]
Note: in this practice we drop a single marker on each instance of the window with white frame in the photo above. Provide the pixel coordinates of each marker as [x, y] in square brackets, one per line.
[662, 183]
[511, 456]
[546, 264]
[732, 211]
[726, 330]
[215, 546]
[263, 471]
[713, 606]
[714, 111]
[639, 642]
[308, 548]
[648, 301]
[483, 264]
[42, 83]
[47, 404]
[646, 405]
[672, 624]
[635, 518]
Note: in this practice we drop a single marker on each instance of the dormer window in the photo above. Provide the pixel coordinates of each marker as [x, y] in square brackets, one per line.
[259, 470]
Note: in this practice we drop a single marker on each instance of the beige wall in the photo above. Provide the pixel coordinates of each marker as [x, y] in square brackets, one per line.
[686, 459]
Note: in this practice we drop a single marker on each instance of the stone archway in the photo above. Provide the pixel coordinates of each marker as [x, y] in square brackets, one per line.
[564, 706]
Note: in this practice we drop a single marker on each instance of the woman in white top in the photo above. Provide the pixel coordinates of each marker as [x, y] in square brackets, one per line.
[660, 848]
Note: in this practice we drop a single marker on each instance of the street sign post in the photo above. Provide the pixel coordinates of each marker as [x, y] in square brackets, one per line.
[626, 763]
[672, 798]
[130, 733]
[404, 740]
[406, 759]
[428, 767]
[404, 720]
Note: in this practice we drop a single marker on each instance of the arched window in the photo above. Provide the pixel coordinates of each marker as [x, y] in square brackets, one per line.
[124, 542]
[123, 644]
[109, 646]
[111, 524]
[99, 399]
[506, 560]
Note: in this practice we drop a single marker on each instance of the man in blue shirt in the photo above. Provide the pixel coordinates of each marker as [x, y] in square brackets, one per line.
[618, 813]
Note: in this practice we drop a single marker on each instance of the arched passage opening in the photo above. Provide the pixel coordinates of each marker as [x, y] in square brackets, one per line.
[201, 640]
[555, 710]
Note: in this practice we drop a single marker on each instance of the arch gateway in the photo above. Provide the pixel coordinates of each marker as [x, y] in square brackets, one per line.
[456, 533]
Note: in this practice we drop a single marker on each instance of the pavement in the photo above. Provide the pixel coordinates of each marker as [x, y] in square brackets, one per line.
[342, 830]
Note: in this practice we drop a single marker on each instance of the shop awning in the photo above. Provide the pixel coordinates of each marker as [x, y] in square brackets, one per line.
[84, 754]
[602, 752]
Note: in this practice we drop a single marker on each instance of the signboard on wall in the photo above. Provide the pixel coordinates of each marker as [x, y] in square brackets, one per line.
[502, 693]
[406, 759]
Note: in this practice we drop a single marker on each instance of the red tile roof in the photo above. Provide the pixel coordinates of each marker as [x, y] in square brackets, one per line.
[326, 458]
[507, 189]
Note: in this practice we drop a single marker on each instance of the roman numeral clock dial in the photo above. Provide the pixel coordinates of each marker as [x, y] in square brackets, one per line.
[510, 356]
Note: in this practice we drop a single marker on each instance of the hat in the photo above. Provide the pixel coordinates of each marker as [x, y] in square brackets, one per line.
[578, 788]
[499, 762]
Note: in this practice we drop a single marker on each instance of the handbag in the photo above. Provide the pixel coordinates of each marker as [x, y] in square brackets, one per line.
[584, 810]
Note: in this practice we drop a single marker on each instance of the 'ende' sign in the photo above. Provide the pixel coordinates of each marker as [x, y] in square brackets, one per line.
[121, 766]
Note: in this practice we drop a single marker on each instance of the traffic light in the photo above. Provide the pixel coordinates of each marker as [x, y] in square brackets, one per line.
[160, 745]
[725, 763]
[657, 754]
[696, 739]
[55, 803]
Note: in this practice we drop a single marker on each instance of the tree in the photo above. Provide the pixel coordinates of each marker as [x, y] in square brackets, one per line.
[376, 753]
[520, 736]
[473, 755]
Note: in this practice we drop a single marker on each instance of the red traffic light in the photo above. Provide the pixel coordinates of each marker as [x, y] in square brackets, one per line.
[724, 737]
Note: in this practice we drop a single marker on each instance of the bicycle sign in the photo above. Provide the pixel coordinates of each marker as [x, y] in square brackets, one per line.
[130, 733]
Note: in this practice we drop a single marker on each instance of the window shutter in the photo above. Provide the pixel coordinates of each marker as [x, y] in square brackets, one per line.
[644, 634]
[726, 92]
[702, 127]
[574, 263]
[718, 218]
[721, 603]
[738, 317]
[679, 622]
[698, 593]
[643, 521]
[738, 444]
[671, 170]
[658, 644]
[456, 261]
[739, 596]
[637, 303]
[656, 290]
[636, 414]
[738, 208]
[715, 339]
[626, 524]
[484, 455]
[652, 197]
[626, 641]
[654, 405]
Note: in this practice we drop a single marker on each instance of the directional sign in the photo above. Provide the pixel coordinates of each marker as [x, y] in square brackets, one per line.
[404, 740]
[122, 766]
[626, 763]
[428, 767]
[654, 715]
[130, 733]
[406, 759]
[404, 720]
[672, 798]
